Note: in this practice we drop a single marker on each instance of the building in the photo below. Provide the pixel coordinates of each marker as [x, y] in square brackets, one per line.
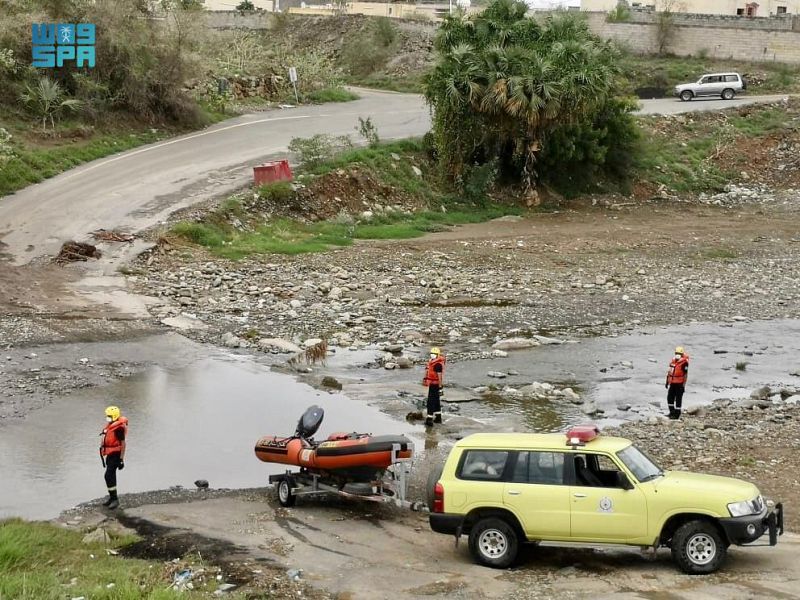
[762, 8]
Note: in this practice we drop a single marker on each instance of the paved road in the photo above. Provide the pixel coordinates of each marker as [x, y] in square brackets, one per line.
[673, 106]
[137, 189]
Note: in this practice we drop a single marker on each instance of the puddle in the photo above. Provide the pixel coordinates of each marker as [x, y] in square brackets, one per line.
[194, 422]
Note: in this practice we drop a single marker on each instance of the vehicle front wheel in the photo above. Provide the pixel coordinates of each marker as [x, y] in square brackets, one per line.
[728, 94]
[698, 548]
[494, 543]
[285, 496]
[686, 95]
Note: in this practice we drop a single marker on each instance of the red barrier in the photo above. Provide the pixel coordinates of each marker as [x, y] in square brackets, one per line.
[270, 172]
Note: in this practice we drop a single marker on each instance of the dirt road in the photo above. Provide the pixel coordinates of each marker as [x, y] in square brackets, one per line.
[358, 552]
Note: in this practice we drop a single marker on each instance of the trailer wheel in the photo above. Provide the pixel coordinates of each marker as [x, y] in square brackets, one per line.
[285, 496]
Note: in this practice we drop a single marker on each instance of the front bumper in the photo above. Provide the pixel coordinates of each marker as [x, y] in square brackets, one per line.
[744, 530]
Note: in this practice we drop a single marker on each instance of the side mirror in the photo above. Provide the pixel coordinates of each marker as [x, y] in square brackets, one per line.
[623, 481]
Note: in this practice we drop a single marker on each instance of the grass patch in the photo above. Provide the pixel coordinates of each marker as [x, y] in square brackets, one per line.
[741, 366]
[287, 236]
[333, 94]
[409, 84]
[720, 254]
[39, 561]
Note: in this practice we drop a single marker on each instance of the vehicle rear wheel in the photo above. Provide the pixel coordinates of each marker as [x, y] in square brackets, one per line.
[285, 496]
[698, 548]
[728, 94]
[494, 543]
[686, 95]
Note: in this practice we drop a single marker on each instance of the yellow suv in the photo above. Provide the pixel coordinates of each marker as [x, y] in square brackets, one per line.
[505, 489]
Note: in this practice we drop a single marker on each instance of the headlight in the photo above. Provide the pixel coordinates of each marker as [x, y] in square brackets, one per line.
[747, 507]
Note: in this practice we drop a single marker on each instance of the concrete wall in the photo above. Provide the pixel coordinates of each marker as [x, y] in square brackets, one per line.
[738, 43]
[234, 20]
[765, 8]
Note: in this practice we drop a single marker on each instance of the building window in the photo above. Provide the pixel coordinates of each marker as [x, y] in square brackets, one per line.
[781, 10]
[740, 11]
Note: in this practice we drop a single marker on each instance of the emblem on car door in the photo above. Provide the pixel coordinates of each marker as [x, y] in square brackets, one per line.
[606, 505]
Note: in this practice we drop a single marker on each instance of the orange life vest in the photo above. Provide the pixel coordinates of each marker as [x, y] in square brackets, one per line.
[677, 370]
[110, 442]
[431, 376]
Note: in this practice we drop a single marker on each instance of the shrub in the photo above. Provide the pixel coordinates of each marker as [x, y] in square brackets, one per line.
[620, 14]
[279, 191]
[319, 148]
[368, 131]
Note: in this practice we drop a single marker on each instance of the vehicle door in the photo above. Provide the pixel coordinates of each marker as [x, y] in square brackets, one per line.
[601, 509]
[538, 494]
[713, 85]
[733, 82]
[480, 479]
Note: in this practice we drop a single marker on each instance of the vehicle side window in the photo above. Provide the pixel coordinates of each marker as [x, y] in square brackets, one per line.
[595, 470]
[733, 78]
[484, 465]
[712, 79]
[544, 468]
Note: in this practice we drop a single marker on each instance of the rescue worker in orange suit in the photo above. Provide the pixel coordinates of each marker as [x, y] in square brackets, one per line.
[676, 381]
[112, 451]
[434, 381]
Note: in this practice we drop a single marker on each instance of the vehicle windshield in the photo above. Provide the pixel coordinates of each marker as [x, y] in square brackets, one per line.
[639, 464]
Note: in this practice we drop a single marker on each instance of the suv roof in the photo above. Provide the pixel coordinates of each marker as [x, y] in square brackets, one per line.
[533, 441]
[723, 73]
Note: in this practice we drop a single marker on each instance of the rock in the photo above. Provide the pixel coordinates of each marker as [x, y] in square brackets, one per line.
[414, 416]
[534, 389]
[295, 574]
[570, 395]
[295, 303]
[404, 362]
[84, 361]
[227, 587]
[499, 354]
[96, 536]
[496, 374]
[417, 170]
[331, 382]
[201, 484]
[624, 407]
[390, 366]
[627, 364]
[335, 293]
[515, 344]
[761, 393]
[183, 323]
[311, 342]
[547, 341]
[393, 348]
[739, 318]
[279, 345]
[229, 340]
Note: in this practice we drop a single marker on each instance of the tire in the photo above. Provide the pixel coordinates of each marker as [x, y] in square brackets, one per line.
[686, 95]
[494, 543]
[728, 94]
[433, 477]
[698, 548]
[285, 496]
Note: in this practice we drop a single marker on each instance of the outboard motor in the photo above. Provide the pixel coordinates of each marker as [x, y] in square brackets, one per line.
[309, 422]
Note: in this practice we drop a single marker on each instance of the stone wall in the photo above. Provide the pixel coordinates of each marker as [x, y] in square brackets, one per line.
[232, 19]
[758, 45]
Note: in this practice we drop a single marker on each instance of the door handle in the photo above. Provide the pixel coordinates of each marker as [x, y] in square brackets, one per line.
[579, 495]
[513, 493]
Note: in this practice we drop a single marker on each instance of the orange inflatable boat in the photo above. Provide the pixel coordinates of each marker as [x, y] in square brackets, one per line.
[354, 455]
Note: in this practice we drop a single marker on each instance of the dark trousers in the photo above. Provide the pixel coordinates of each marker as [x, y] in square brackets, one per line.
[112, 464]
[675, 398]
[434, 407]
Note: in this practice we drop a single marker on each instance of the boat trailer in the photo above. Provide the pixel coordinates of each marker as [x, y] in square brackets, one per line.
[391, 488]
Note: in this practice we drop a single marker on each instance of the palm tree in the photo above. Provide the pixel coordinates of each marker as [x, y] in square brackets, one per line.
[503, 81]
[46, 99]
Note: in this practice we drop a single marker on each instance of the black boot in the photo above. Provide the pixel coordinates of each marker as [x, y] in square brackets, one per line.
[437, 418]
[108, 501]
[429, 421]
[114, 501]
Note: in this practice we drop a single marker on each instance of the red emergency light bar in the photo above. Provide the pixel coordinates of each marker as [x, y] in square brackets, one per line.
[581, 434]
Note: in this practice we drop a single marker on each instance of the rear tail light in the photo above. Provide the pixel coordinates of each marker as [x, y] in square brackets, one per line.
[438, 498]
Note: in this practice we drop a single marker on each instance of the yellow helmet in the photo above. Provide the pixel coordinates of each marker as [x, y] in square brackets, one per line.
[113, 412]
[679, 350]
[435, 350]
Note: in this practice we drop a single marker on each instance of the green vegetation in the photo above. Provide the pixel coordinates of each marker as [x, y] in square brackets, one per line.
[332, 94]
[41, 561]
[291, 236]
[686, 156]
[367, 52]
[720, 253]
[741, 366]
[286, 236]
[619, 14]
[536, 98]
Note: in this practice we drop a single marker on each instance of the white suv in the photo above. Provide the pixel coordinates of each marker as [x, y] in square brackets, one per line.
[725, 85]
